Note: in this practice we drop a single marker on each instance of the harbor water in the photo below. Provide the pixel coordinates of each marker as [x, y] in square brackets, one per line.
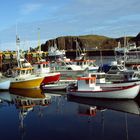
[37, 115]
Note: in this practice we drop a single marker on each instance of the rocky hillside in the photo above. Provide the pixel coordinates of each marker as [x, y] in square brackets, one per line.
[136, 39]
[89, 42]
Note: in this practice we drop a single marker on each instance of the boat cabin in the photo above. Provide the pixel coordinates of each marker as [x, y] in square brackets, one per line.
[87, 84]
[65, 65]
[100, 76]
[86, 64]
[42, 67]
[22, 72]
[115, 74]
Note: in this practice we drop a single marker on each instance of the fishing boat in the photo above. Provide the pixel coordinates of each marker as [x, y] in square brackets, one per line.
[82, 61]
[86, 64]
[24, 79]
[119, 72]
[22, 75]
[42, 68]
[54, 52]
[87, 87]
[130, 52]
[67, 69]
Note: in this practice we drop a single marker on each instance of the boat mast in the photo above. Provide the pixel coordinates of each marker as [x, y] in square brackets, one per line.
[18, 53]
[39, 46]
[17, 46]
[125, 50]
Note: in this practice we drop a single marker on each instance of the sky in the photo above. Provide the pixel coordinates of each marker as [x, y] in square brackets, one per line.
[34, 20]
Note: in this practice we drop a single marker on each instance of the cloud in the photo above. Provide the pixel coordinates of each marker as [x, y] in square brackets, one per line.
[30, 8]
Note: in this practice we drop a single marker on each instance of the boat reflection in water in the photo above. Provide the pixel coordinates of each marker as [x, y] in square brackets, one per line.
[25, 100]
[57, 116]
[91, 106]
[32, 93]
[55, 93]
[5, 96]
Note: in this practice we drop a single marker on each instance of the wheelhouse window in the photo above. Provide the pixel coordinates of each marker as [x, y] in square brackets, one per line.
[69, 68]
[44, 65]
[38, 66]
[114, 68]
[100, 76]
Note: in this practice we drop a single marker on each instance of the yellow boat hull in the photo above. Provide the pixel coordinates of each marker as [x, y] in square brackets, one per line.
[27, 84]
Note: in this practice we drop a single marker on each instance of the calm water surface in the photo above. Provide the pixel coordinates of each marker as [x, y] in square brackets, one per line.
[31, 114]
[63, 117]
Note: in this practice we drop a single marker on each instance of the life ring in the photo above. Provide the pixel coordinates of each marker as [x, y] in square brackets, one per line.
[121, 67]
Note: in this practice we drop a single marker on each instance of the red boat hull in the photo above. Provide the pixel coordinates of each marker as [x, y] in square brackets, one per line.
[51, 78]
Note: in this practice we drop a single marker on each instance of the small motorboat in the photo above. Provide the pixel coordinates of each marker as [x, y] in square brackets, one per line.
[60, 85]
[86, 87]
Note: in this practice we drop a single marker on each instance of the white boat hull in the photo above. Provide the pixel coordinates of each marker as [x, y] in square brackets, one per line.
[55, 87]
[4, 84]
[128, 92]
[118, 84]
[61, 85]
